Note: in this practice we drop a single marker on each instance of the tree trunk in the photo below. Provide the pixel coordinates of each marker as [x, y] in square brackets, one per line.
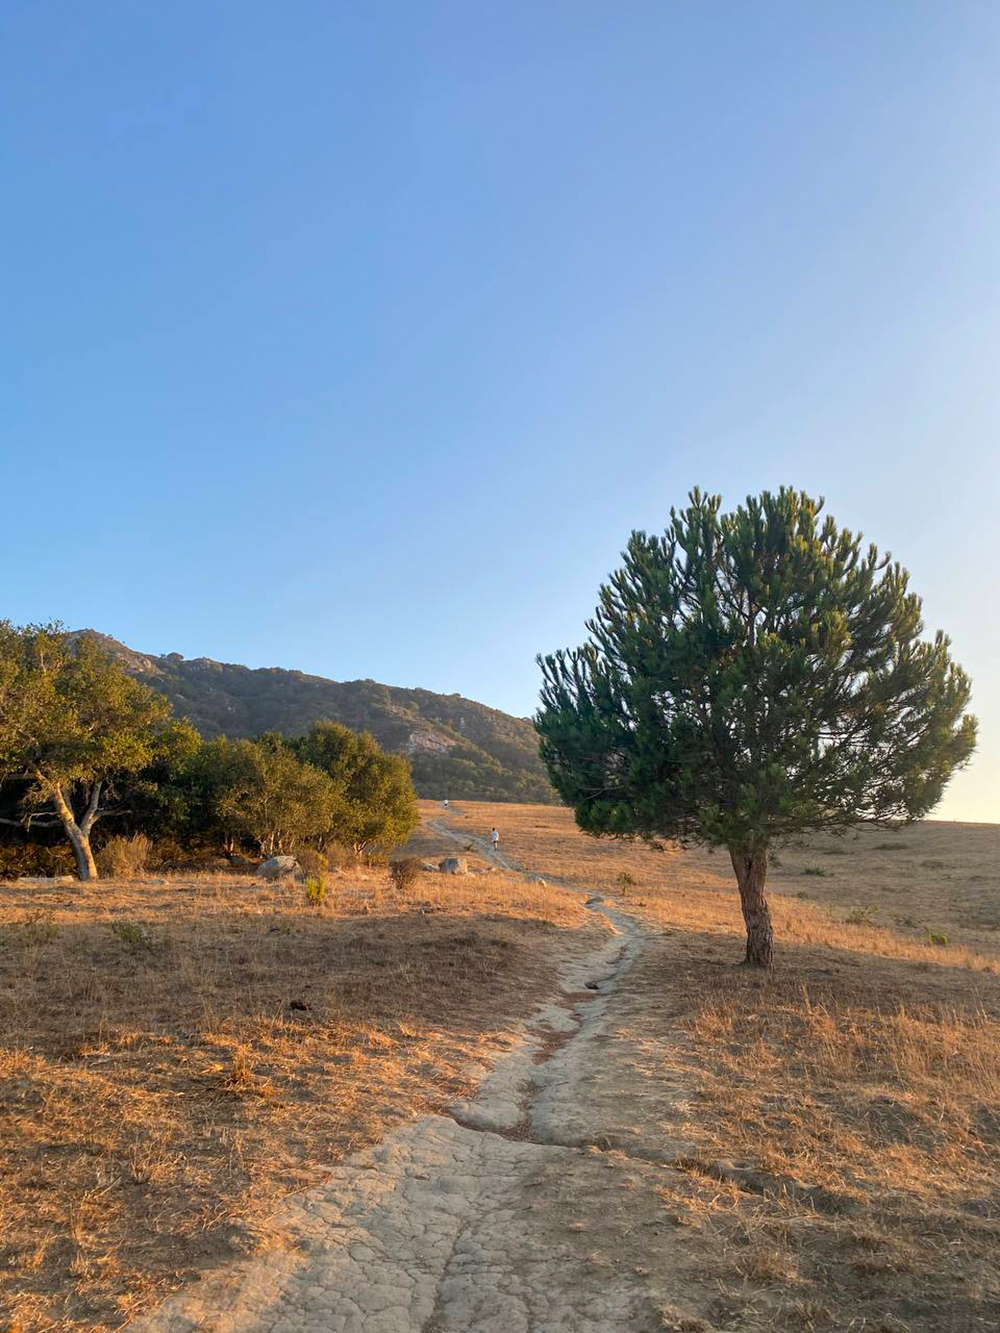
[78, 834]
[751, 871]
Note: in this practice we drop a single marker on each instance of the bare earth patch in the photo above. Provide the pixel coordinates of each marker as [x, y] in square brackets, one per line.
[179, 1054]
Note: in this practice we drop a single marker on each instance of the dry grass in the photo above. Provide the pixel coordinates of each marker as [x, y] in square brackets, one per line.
[906, 892]
[842, 1114]
[179, 1053]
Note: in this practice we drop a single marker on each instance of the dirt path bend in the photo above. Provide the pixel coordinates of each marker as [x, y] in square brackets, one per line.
[534, 1208]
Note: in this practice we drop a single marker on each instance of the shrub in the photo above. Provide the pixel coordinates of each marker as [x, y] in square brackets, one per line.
[133, 936]
[124, 858]
[815, 870]
[625, 881]
[862, 916]
[316, 890]
[339, 857]
[27, 859]
[404, 873]
[314, 864]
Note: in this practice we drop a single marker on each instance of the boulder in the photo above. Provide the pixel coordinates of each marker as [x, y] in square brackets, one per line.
[279, 867]
[454, 865]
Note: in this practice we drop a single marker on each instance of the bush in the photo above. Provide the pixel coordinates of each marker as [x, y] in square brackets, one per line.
[314, 864]
[316, 890]
[135, 938]
[404, 873]
[124, 858]
[27, 859]
[339, 857]
[862, 916]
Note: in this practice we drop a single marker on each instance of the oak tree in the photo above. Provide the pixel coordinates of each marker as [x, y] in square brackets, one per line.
[75, 729]
[378, 806]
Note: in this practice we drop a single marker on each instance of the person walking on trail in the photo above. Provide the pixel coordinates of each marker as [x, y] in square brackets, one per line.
[494, 839]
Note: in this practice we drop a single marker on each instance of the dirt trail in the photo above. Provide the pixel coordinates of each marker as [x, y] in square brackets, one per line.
[533, 1208]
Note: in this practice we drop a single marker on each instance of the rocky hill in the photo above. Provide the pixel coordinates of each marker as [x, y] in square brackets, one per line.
[457, 748]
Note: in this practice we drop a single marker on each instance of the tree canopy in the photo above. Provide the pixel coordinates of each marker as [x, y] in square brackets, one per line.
[81, 739]
[259, 793]
[74, 729]
[377, 801]
[750, 677]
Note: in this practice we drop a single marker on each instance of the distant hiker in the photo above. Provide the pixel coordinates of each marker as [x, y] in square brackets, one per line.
[494, 839]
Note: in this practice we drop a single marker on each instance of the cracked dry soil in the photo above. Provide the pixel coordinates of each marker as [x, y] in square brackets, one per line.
[534, 1208]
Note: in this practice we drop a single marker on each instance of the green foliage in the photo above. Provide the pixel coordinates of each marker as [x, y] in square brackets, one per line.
[457, 748]
[749, 677]
[135, 938]
[76, 731]
[625, 881]
[258, 793]
[376, 802]
[815, 870]
[316, 890]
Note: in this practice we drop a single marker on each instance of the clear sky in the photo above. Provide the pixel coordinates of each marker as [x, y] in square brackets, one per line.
[357, 337]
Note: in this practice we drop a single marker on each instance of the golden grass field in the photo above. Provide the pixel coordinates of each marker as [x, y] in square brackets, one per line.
[855, 1091]
[180, 1052]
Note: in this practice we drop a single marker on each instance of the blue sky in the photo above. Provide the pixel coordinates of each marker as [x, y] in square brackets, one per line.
[356, 338]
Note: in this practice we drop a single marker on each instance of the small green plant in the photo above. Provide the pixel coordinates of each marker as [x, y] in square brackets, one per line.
[931, 937]
[815, 870]
[910, 922]
[862, 916]
[625, 881]
[316, 890]
[404, 873]
[133, 936]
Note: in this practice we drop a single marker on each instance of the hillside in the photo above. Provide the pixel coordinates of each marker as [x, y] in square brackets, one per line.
[457, 748]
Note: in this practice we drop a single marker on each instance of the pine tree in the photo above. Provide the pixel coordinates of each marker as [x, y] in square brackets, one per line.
[750, 677]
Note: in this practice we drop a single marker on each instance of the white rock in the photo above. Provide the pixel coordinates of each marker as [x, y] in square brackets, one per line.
[278, 867]
[454, 865]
